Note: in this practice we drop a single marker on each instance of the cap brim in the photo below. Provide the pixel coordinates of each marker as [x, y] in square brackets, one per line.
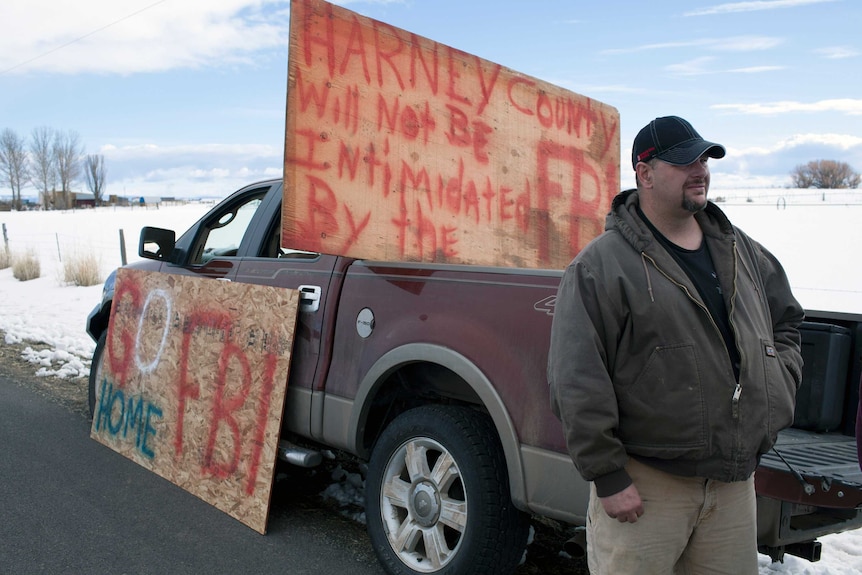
[685, 154]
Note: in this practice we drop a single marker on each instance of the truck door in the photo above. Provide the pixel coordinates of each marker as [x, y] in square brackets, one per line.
[267, 263]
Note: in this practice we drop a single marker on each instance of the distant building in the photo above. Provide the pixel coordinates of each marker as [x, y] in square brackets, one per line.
[83, 200]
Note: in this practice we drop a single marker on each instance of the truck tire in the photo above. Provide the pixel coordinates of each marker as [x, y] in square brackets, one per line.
[437, 496]
[96, 370]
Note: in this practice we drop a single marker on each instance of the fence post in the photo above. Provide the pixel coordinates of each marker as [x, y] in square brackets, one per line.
[59, 255]
[5, 239]
[122, 247]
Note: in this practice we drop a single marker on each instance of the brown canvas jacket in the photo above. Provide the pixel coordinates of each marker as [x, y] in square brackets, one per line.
[637, 367]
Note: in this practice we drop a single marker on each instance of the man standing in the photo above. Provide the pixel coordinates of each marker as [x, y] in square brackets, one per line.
[674, 363]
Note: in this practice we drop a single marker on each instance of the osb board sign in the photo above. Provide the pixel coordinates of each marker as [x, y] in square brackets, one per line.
[193, 382]
[399, 148]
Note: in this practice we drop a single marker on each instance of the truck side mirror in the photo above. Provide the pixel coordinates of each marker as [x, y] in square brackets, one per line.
[156, 243]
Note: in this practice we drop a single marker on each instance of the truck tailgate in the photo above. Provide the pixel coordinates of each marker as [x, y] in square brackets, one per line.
[820, 469]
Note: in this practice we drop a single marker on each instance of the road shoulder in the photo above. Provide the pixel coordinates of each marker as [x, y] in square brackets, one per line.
[70, 393]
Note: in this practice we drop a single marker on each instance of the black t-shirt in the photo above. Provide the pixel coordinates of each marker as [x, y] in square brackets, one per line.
[697, 264]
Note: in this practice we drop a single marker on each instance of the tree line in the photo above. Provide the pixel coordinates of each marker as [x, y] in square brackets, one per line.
[51, 161]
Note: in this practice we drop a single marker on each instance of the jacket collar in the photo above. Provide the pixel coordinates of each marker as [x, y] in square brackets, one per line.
[624, 218]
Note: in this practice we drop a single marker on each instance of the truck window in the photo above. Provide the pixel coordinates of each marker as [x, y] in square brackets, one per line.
[272, 248]
[222, 235]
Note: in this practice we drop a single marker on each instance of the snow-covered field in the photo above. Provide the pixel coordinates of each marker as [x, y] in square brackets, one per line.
[47, 311]
[817, 241]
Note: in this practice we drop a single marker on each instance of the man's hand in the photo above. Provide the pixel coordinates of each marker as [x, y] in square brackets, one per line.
[625, 506]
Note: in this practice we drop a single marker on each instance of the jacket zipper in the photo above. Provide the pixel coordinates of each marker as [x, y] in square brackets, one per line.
[737, 391]
[730, 315]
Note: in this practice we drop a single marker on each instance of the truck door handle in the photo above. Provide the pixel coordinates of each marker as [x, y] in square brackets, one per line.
[309, 298]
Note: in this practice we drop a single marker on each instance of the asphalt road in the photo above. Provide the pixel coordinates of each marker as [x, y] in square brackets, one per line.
[70, 505]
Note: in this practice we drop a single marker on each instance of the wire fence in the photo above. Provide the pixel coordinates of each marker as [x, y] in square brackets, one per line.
[109, 234]
[783, 197]
[61, 246]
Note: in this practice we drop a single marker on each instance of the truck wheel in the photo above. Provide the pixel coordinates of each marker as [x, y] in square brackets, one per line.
[437, 496]
[96, 372]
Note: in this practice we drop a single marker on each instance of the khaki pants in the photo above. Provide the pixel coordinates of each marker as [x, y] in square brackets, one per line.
[690, 526]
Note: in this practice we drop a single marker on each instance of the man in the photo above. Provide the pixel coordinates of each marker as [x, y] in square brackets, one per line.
[674, 363]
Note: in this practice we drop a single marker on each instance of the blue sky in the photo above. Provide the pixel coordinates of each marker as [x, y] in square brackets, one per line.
[187, 97]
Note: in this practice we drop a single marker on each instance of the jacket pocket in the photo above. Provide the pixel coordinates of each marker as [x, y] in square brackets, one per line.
[663, 412]
[780, 391]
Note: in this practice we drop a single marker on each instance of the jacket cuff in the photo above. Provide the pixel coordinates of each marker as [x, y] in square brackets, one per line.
[612, 483]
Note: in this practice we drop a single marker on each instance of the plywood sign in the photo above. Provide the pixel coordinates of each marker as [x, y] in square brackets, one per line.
[193, 384]
[400, 148]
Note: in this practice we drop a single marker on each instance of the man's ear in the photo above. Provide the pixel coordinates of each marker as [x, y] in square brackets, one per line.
[644, 174]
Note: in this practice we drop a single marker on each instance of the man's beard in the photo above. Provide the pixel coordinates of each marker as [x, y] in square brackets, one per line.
[694, 205]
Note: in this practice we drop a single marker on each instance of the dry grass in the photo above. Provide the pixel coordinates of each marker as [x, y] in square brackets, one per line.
[26, 266]
[5, 259]
[82, 270]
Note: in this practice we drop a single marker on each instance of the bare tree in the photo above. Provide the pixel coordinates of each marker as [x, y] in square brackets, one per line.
[14, 164]
[95, 173]
[43, 166]
[68, 153]
[825, 174]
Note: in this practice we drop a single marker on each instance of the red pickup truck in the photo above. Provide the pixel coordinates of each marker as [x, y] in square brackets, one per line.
[435, 374]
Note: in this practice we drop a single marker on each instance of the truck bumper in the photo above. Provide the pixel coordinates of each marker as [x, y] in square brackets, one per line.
[785, 527]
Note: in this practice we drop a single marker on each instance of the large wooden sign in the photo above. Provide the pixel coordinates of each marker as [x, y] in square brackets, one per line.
[193, 384]
[401, 148]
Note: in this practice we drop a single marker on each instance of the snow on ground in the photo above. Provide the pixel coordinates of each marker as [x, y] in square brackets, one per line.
[817, 241]
[46, 310]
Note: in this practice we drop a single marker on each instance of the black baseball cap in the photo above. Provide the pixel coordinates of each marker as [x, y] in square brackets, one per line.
[672, 139]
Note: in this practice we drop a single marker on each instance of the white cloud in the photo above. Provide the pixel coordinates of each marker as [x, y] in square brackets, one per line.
[756, 69]
[102, 36]
[732, 44]
[837, 52]
[593, 89]
[659, 46]
[692, 67]
[734, 7]
[746, 43]
[153, 151]
[850, 106]
[842, 142]
[837, 141]
[214, 173]
[188, 170]
[703, 65]
[771, 165]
